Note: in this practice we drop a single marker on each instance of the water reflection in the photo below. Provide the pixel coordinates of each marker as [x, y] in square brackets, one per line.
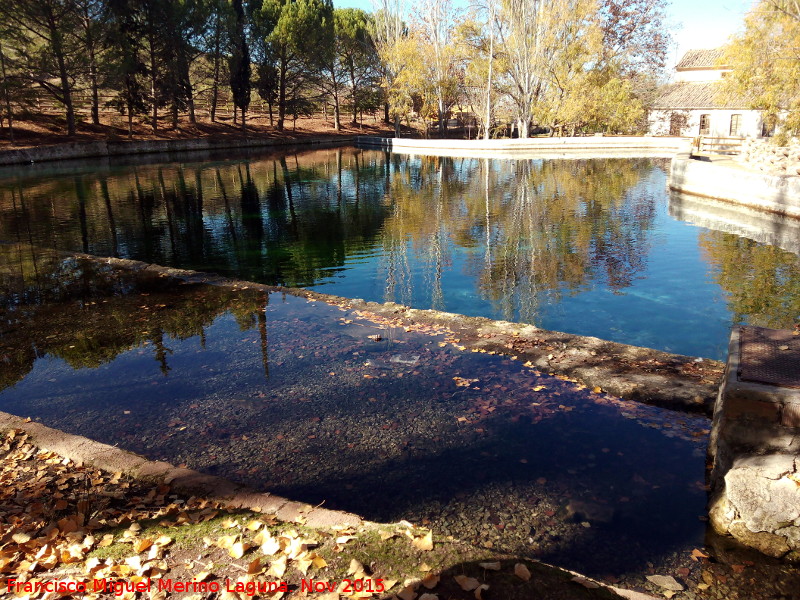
[753, 256]
[87, 314]
[572, 245]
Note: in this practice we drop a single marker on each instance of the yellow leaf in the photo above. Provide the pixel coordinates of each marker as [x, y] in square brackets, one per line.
[163, 540]
[142, 544]
[302, 564]
[255, 525]
[228, 523]
[278, 567]
[238, 549]
[21, 538]
[226, 542]
[424, 543]
[270, 546]
[522, 572]
[343, 539]
[597, 389]
[321, 563]
[201, 576]
[134, 562]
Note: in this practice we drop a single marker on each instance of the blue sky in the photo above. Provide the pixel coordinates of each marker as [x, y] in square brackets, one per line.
[700, 23]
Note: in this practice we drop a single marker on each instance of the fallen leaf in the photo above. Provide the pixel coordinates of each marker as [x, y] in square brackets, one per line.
[522, 572]
[254, 567]
[407, 593]
[238, 549]
[430, 581]
[698, 554]
[142, 544]
[278, 567]
[490, 566]
[467, 583]
[424, 543]
[479, 591]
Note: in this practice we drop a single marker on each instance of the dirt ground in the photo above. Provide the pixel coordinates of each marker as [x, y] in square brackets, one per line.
[50, 128]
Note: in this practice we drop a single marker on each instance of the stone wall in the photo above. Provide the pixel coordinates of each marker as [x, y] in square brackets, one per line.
[755, 454]
[765, 155]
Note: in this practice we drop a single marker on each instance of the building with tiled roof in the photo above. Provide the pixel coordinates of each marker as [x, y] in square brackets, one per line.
[692, 105]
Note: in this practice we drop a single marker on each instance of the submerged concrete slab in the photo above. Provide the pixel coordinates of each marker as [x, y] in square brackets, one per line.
[755, 443]
[672, 381]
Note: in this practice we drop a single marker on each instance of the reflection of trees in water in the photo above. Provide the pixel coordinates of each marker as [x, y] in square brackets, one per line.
[88, 314]
[285, 220]
[526, 229]
[762, 283]
[533, 227]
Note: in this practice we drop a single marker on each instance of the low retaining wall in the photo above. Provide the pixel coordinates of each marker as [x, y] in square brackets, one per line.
[78, 150]
[551, 147]
[774, 193]
[755, 449]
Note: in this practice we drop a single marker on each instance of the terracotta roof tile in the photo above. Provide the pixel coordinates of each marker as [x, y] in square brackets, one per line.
[686, 95]
[700, 59]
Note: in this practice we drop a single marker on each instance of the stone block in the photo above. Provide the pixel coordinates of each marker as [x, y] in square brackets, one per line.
[755, 444]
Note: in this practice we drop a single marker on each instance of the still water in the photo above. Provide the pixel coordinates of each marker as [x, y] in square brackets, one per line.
[304, 399]
[585, 246]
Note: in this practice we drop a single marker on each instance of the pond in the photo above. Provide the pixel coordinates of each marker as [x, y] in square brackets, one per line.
[586, 246]
[331, 407]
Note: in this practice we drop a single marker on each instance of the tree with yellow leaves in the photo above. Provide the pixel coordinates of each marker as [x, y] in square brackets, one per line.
[765, 62]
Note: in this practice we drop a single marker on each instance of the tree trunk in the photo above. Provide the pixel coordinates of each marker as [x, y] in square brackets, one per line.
[337, 123]
[9, 114]
[487, 133]
[153, 91]
[355, 97]
[66, 89]
[386, 117]
[215, 81]
[282, 92]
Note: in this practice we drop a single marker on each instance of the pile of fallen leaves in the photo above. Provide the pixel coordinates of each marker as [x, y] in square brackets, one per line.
[122, 538]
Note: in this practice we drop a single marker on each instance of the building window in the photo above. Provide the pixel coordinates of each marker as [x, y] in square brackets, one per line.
[705, 124]
[736, 125]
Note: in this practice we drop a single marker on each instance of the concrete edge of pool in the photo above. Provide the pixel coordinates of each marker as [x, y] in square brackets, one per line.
[85, 451]
[121, 148]
[654, 377]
